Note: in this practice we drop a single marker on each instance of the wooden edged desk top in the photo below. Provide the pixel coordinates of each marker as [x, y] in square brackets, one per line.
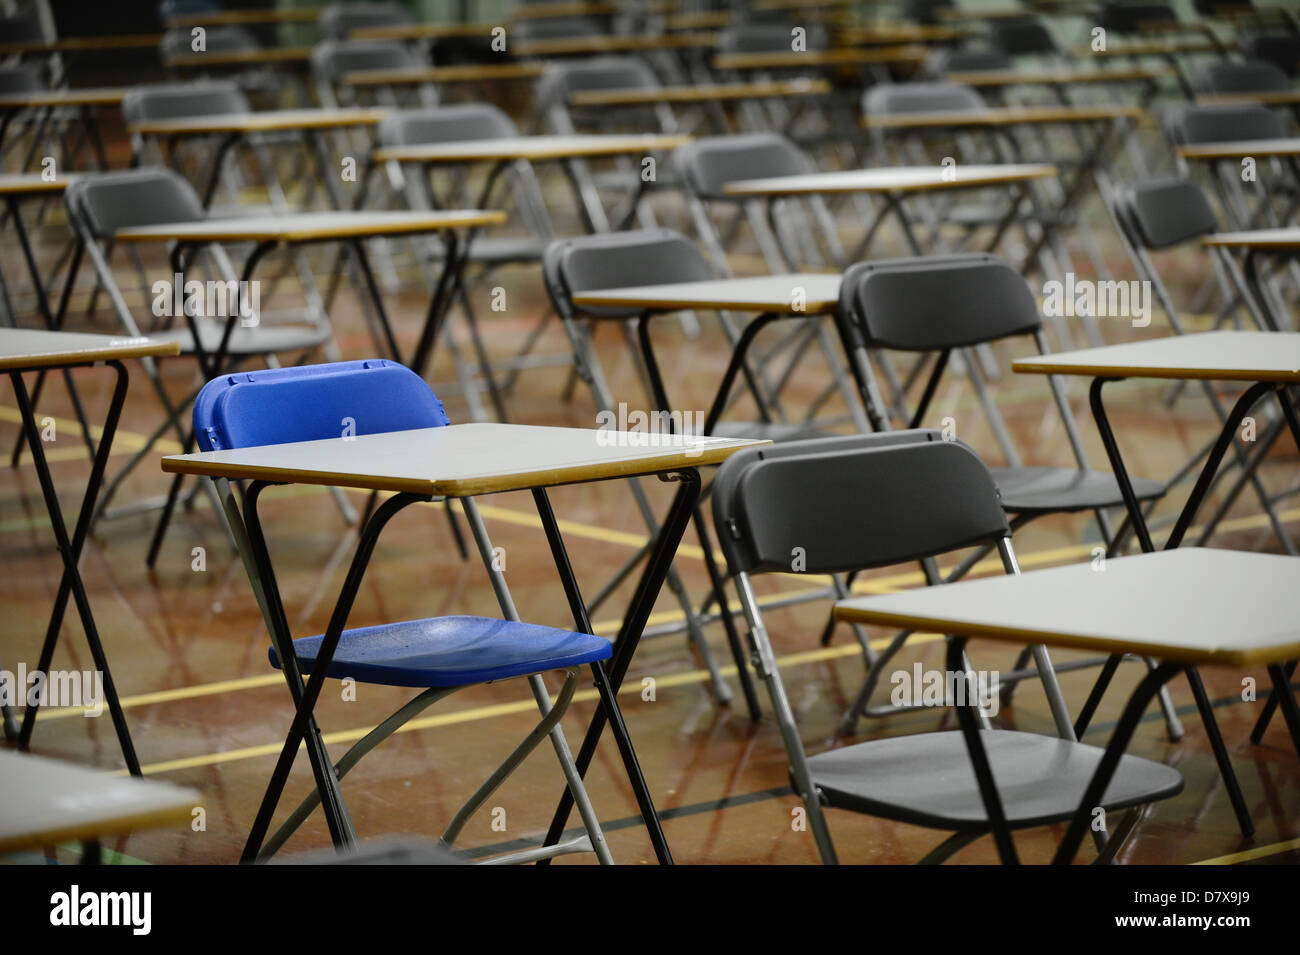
[265, 121]
[468, 73]
[44, 802]
[1238, 149]
[84, 44]
[531, 147]
[33, 183]
[1173, 47]
[760, 293]
[36, 99]
[837, 56]
[1189, 605]
[268, 54]
[896, 179]
[994, 78]
[312, 226]
[223, 18]
[423, 31]
[703, 93]
[462, 460]
[23, 348]
[578, 45]
[1278, 239]
[1217, 356]
[1271, 98]
[1002, 116]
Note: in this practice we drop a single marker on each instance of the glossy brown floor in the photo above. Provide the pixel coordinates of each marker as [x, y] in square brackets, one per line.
[188, 647]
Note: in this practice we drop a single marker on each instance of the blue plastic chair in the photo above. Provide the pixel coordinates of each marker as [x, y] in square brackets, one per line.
[439, 654]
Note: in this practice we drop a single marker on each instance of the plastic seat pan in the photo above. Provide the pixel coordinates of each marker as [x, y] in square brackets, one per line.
[1026, 490]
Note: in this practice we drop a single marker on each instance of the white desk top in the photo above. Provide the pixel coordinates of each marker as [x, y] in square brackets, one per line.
[312, 226]
[896, 179]
[1289, 146]
[530, 147]
[1190, 605]
[761, 293]
[265, 121]
[98, 96]
[461, 460]
[1221, 356]
[1256, 239]
[22, 348]
[45, 801]
[700, 93]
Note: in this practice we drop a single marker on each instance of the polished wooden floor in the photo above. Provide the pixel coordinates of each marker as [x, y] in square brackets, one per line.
[189, 651]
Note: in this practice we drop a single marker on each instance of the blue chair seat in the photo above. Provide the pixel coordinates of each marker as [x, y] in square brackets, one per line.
[450, 651]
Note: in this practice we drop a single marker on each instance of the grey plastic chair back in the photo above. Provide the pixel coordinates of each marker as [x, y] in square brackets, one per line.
[617, 260]
[106, 202]
[338, 20]
[155, 101]
[562, 79]
[1125, 16]
[1252, 76]
[20, 79]
[709, 163]
[1022, 37]
[931, 303]
[555, 28]
[924, 11]
[1226, 123]
[331, 59]
[1280, 49]
[889, 99]
[23, 28]
[853, 503]
[224, 39]
[438, 124]
[1165, 212]
[963, 59]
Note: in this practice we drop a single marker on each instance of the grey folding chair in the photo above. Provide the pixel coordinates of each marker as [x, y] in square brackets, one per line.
[463, 122]
[948, 303]
[1280, 49]
[1250, 76]
[881, 500]
[1023, 36]
[100, 205]
[1169, 213]
[791, 236]
[331, 60]
[959, 59]
[650, 257]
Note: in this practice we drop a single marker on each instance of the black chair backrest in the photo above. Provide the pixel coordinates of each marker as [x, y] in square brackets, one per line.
[1126, 16]
[20, 79]
[562, 79]
[1165, 212]
[1280, 49]
[1211, 8]
[153, 101]
[707, 164]
[439, 124]
[331, 59]
[961, 59]
[1252, 76]
[108, 201]
[889, 99]
[1226, 123]
[618, 260]
[223, 39]
[930, 303]
[831, 505]
[924, 11]
[23, 28]
[766, 37]
[1022, 36]
[338, 20]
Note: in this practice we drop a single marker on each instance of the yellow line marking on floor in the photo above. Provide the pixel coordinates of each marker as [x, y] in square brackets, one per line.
[122, 440]
[1247, 855]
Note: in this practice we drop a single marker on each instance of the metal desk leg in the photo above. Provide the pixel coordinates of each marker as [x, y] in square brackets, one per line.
[70, 550]
[652, 579]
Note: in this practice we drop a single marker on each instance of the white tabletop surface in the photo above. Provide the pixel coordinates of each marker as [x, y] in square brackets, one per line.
[761, 293]
[1227, 356]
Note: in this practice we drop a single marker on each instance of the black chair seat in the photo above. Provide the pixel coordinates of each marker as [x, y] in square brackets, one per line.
[1026, 490]
[927, 779]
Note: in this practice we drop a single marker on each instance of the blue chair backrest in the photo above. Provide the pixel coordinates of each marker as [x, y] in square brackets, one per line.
[313, 402]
